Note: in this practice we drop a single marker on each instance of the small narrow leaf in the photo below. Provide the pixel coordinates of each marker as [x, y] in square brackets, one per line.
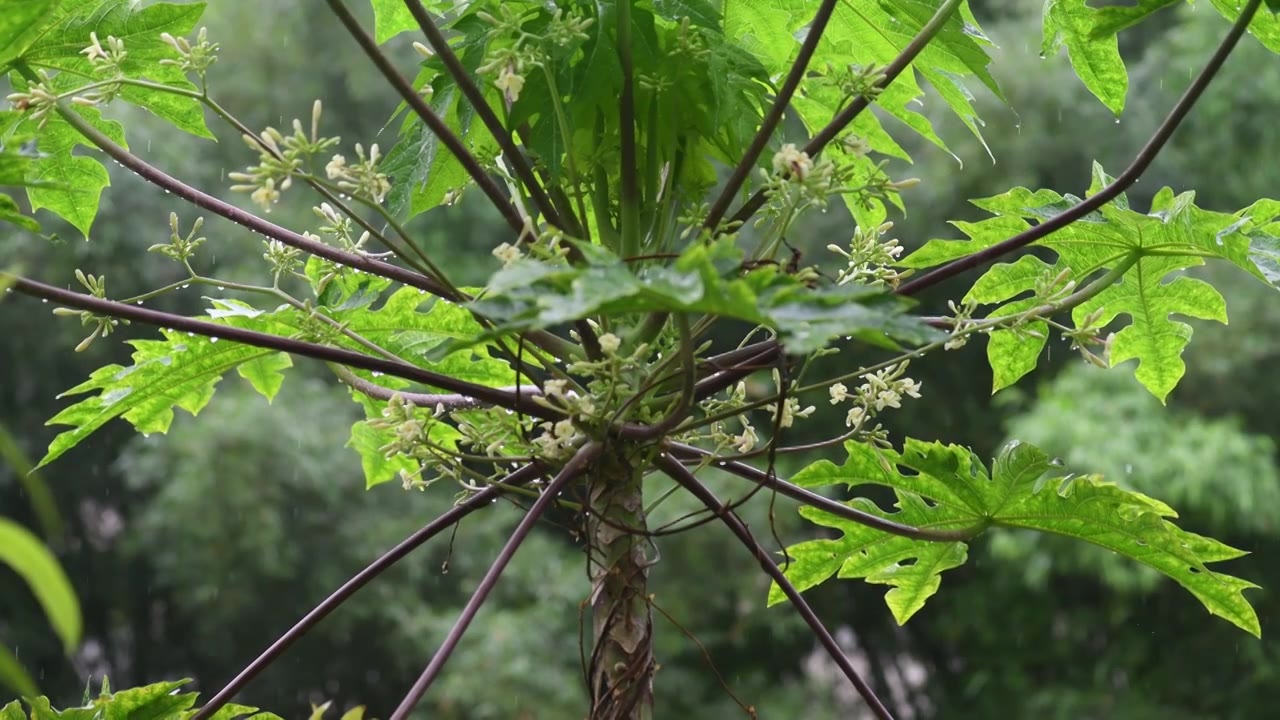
[31, 560]
[1115, 18]
[16, 678]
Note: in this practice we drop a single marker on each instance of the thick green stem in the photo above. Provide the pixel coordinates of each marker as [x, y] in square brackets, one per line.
[622, 663]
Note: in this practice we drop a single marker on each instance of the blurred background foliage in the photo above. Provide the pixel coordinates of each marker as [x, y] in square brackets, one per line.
[191, 552]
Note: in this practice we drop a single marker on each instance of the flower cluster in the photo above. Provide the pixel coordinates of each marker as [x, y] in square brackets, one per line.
[362, 177]
[870, 257]
[796, 178]
[881, 389]
[195, 58]
[748, 439]
[1088, 332]
[39, 100]
[341, 228]
[854, 145]
[509, 61]
[723, 406]
[851, 81]
[558, 440]
[411, 430]
[509, 254]
[97, 287]
[745, 441]
[1051, 289]
[961, 317]
[280, 157]
[283, 259]
[790, 162]
[798, 182]
[790, 407]
[180, 249]
[107, 61]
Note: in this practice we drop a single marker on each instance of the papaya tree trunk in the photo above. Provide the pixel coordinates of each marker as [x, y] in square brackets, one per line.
[622, 664]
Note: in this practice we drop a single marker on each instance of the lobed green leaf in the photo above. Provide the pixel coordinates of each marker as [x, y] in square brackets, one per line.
[946, 488]
[1095, 54]
[182, 370]
[67, 184]
[704, 279]
[1173, 236]
[65, 33]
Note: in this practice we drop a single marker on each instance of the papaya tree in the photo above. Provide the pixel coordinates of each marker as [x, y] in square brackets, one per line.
[650, 160]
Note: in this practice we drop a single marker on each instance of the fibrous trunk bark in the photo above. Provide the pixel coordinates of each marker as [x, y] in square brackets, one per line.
[622, 665]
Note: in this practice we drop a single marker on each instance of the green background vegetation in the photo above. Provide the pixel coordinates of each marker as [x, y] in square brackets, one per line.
[189, 554]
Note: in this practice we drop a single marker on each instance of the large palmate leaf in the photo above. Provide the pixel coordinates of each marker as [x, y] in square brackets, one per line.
[765, 28]
[424, 168]
[65, 32]
[57, 179]
[392, 17]
[947, 488]
[21, 23]
[1173, 236]
[69, 184]
[1089, 34]
[179, 371]
[704, 279]
[875, 32]
[159, 701]
[182, 370]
